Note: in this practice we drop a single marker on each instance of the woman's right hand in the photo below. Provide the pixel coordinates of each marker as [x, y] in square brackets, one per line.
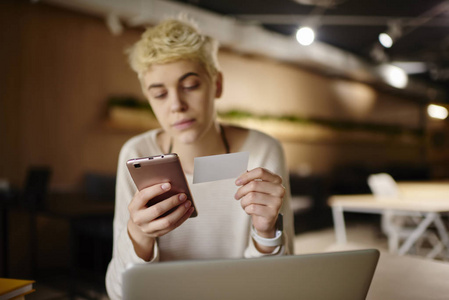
[144, 224]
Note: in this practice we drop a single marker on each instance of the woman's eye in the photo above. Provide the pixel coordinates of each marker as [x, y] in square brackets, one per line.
[159, 95]
[191, 86]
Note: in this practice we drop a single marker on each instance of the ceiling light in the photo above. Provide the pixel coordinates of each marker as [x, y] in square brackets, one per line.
[437, 111]
[394, 31]
[305, 36]
[385, 40]
[394, 76]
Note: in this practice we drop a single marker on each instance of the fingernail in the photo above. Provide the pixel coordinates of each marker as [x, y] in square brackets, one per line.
[238, 182]
[188, 203]
[166, 186]
[182, 197]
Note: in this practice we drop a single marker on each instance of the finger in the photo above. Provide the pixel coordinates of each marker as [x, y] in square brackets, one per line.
[261, 199]
[261, 211]
[265, 187]
[155, 211]
[170, 221]
[260, 174]
[142, 197]
[185, 217]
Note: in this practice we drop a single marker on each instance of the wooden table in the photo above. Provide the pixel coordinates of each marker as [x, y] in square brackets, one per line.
[430, 203]
[409, 278]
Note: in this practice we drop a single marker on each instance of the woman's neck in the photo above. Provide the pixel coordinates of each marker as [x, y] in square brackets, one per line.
[209, 144]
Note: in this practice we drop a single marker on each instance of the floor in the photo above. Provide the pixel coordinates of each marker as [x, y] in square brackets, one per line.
[361, 234]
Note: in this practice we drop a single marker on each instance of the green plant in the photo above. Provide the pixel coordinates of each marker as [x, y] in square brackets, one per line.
[128, 102]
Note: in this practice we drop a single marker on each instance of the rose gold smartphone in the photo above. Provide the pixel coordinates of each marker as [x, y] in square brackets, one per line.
[148, 171]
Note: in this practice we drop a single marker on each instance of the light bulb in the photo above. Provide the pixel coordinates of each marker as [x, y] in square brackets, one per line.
[394, 76]
[305, 36]
[437, 111]
[385, 40]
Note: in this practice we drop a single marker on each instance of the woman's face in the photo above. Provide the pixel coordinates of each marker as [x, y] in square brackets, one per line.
[182, 97]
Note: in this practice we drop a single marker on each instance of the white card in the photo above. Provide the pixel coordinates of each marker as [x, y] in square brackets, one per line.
[218, 167]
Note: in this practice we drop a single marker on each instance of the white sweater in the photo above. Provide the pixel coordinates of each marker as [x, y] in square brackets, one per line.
[221, 229]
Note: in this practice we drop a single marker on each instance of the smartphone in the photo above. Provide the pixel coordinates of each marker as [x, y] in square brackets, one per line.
[148, 171]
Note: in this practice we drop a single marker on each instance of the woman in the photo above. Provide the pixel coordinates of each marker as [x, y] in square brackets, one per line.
[179, 74]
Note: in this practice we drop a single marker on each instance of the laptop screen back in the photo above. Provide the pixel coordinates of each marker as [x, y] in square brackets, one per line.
[337, 275]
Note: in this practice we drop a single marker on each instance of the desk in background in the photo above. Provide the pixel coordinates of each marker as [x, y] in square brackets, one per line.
[429, 199]
[90, 236]
[85, 224]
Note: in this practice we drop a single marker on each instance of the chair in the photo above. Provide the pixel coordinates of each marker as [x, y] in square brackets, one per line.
[36, 186]
[397, 226]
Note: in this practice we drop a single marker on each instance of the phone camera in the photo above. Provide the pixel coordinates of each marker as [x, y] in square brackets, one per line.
[136, 166]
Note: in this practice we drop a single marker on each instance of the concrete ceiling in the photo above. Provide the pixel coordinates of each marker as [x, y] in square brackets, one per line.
[346, 43]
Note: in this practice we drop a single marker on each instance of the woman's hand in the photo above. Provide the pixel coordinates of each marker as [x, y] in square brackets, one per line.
[261, 193]
[146, 224]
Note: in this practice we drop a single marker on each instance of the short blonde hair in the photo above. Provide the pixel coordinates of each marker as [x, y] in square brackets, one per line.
[170, 41]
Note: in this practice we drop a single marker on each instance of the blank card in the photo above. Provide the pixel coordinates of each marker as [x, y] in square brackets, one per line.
[219, 167]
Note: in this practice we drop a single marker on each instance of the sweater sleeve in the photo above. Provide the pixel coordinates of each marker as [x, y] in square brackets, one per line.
[123, 252]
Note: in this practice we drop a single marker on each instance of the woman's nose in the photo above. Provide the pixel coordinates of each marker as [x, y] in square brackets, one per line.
[177, 103]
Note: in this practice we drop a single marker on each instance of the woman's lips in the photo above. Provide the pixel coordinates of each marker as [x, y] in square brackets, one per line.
[183, 124]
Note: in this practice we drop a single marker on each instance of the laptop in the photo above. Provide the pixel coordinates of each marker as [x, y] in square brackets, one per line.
[334, 275]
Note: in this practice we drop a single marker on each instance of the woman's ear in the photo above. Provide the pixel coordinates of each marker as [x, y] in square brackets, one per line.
[218, 85]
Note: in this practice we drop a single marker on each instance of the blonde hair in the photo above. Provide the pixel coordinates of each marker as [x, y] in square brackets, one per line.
[170, 41]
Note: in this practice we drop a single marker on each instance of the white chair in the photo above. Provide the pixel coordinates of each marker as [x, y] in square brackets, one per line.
[397, 226]
[383, 185]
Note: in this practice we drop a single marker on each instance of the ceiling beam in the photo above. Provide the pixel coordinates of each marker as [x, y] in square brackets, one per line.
[340, 20]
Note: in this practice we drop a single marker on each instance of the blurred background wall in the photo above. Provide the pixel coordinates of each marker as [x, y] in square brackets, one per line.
[59, 67]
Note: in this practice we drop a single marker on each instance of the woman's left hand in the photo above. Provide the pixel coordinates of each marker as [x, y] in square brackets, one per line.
[261, 193]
